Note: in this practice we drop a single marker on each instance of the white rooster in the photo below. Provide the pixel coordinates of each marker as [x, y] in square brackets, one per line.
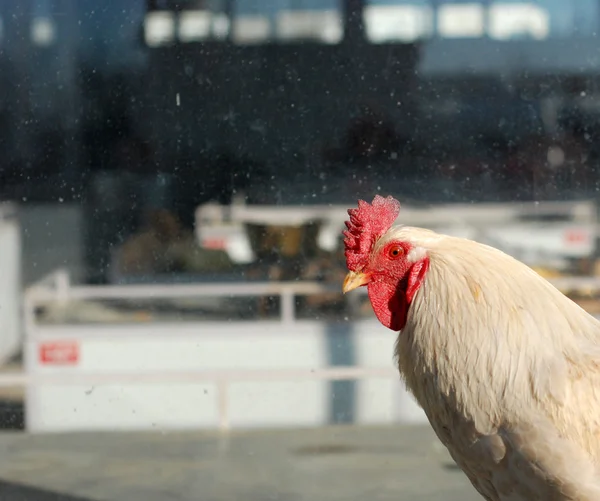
[506, 368]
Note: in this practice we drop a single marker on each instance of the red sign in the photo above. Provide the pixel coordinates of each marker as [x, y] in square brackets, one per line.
[576, 236]
[214, 243]
[59, 353]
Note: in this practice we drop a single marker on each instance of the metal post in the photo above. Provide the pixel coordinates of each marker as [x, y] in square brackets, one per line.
[487, 21]
[67, 23]
[288, 306]
[17, 48]
[435, 8]
[223, 406]
[229, 11]
[353, 22]
[62, 283]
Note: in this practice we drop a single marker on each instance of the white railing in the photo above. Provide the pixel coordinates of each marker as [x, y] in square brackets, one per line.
[222, 379]
[57, 287]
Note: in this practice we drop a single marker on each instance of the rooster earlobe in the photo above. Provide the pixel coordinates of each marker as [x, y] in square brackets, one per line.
[416, 276]
[416, 254]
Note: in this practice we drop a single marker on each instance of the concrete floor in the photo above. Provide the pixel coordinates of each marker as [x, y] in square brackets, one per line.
[336, 463]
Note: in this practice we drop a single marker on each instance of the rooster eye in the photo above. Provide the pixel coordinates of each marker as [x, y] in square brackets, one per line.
[395, 251]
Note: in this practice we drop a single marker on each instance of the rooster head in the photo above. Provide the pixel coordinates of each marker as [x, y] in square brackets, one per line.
[393, 269]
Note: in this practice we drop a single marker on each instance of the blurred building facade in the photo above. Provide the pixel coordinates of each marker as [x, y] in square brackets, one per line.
[129, 107]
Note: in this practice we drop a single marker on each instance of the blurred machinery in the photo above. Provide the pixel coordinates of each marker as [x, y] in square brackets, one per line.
[554, 238]
[266, 243]
[548, 234]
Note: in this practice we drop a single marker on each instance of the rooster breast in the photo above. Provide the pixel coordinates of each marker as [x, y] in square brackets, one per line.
[527, 461]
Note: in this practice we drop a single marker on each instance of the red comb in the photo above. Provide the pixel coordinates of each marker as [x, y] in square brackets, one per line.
[366, 225]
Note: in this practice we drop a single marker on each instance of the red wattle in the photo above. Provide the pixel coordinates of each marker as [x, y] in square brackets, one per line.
[389, 304]
[391, 300]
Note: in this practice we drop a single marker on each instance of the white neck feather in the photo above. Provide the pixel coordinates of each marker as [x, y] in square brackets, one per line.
[484, 327]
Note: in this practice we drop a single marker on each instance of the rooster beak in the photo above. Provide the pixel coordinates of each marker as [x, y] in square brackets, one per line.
[354, 280]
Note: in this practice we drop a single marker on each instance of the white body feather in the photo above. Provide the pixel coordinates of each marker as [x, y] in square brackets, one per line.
[507, 370]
